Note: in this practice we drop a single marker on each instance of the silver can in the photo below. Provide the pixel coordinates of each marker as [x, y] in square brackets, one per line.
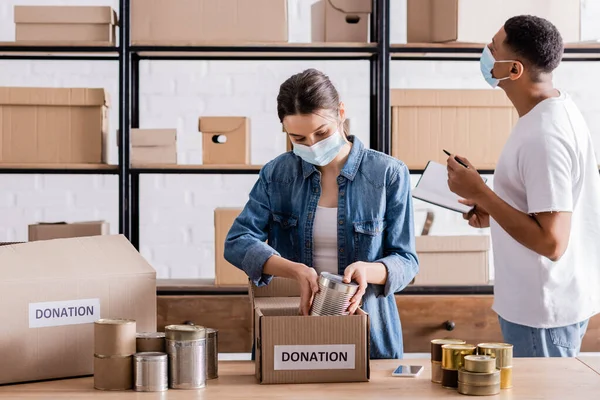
[186, 347]
[334, 295]
[151, 372]
[212, 353]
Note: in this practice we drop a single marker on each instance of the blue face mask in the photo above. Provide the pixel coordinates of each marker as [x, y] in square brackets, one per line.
[486, 63]
[323, 152]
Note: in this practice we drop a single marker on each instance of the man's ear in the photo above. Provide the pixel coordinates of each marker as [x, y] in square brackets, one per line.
[516, 70]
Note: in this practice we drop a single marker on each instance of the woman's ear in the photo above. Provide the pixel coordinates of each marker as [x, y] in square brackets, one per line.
[342, 109]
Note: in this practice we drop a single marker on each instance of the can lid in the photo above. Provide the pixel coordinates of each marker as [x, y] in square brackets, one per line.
[458, 346]
[478, 358]
[150, 356]
[210, 332]
[185, 332]
[335, 282]
[114, 321]
[150, 335]
[495, 345]
[448, 341]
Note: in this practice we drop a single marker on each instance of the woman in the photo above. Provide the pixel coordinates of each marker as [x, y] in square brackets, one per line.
[330, 205]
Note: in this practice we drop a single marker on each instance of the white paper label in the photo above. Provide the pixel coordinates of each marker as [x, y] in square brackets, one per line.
[69, 312]
[327, 356]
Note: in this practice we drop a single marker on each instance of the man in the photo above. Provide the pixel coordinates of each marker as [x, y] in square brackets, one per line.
[545, 211]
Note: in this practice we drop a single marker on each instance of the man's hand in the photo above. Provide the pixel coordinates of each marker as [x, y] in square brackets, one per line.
[356, 272]
[309, 286]
[465, 182]
[478, 217]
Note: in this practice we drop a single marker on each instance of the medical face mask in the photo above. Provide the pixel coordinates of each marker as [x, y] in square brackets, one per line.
[323, 152]
[486, 63]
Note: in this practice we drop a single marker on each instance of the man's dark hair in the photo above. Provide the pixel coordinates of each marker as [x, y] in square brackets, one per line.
[536, 40]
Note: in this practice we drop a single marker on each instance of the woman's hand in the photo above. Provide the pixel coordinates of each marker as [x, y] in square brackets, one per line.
[356, 272]
[309, 286]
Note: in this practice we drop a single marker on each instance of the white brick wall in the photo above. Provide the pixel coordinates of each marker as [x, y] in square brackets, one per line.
[177, 211]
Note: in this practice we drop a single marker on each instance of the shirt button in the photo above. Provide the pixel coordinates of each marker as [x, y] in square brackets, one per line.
[342, 192]
[340, 180]
[341, 222]
[341, 250]
[315, 190]
[307, 243]
[310, 215]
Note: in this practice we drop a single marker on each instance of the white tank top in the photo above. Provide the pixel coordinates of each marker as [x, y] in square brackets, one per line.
[325, 240]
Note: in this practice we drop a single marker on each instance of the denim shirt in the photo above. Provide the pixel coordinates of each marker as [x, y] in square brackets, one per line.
[375, 224]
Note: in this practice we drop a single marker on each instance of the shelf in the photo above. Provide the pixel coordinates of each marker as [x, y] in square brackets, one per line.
[251, 51]
[91, 169]
[58, 51]
[196, 169]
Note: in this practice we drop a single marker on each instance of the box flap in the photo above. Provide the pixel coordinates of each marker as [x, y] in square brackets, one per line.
[267, 304]
[220, 124]
[449, 98]
[351, 6]
[84, 257]
[278, 287]
[452, 244]
[65, 15]
[53, 96]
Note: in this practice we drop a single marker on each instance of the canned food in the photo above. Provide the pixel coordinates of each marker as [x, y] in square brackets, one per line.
[150, 342]
[151, 372]
[186, 347]
[506, 378]
[436, 347]
[436, 371]
[114, 337]
[479, 378]
[481, 364]
[334, 295]
[449, 378]
[113, 372]
[473, 390]
[502, 352]
[212, 353]
[453, 355]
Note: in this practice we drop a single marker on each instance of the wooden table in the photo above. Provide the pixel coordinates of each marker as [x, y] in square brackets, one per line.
[550, 378]
[592, 362]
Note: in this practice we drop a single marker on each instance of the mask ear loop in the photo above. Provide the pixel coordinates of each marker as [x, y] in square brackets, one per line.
[505, 61]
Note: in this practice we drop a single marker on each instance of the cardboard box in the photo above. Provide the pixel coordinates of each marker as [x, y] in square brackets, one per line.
[152, 146]
[288, 142]
[300, 349]
[208, 21]
[452, 260]
[225, 273]
[464, 21]
[59, 230]
[471, 123]
[52, 125]
[225, 140]
[86, 24]
[347, 20]
[57, 289]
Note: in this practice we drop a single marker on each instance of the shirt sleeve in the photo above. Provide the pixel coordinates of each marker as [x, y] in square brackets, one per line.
[546, 168]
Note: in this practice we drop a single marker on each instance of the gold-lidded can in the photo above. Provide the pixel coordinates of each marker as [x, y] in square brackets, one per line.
[436, 347]
[506, 378]
[473, 390]
[185, 332]
[502, 352]
[479, 378]
[480, 364]
[452, 360]
[436, 371]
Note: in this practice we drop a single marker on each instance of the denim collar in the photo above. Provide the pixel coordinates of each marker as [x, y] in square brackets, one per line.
[352, 163]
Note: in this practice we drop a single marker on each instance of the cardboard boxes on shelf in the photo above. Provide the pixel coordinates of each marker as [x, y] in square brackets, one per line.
[152, 146]
[57, 289]
[85, 24]
[52, 125]
[463, 21]
[225, 140]
[347, 20]
[187, 22]
[225, 273]
[297, 349]
[60, 230]
[472, 123]
[452, 260]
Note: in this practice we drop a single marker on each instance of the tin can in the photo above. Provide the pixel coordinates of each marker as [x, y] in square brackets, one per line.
[480, 364]
[334, 295]
[453, 356]
[151, 372]
[150, 342]
[436, 371]
[113, 372]
[436, 347]
[449, 378]
[186, 347]
[473, 390]
[502, 352]
[479, 378]
[506, 378]
[212, 353]
[114, 337]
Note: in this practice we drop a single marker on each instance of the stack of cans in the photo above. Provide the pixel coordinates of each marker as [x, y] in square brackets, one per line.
[436, 357]
[334, 295]
[186, 347]
[479, 376]
[114, 347]
[453, 359]
[503, 354]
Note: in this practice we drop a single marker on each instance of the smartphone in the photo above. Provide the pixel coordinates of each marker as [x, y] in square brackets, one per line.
[411, 371]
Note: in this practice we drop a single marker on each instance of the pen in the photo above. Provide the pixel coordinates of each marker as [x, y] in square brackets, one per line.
[457, 160]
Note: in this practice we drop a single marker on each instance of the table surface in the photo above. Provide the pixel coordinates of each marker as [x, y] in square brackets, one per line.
[543, 378]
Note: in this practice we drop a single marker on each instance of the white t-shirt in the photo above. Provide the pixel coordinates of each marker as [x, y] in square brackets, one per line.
[548, 164]
[325, 248]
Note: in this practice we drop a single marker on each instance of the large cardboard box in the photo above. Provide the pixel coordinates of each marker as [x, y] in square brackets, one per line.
[302, 349]
[152, 146]
[472, 123]
[452, 260]
[52, 125]
[478, 21]
[225, 273]
[347, 20]
[225, 140]
[60, 230]
[86, 24]
[54, 290]
[207, 21]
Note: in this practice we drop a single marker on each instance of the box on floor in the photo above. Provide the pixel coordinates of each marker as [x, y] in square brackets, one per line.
[60, 230]
[225, 140]
[57, 289]
[152, 146]
[478, 21]
[473, 123]
[304, 349]
[208, 21]
[84, 24]
[52, 125]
